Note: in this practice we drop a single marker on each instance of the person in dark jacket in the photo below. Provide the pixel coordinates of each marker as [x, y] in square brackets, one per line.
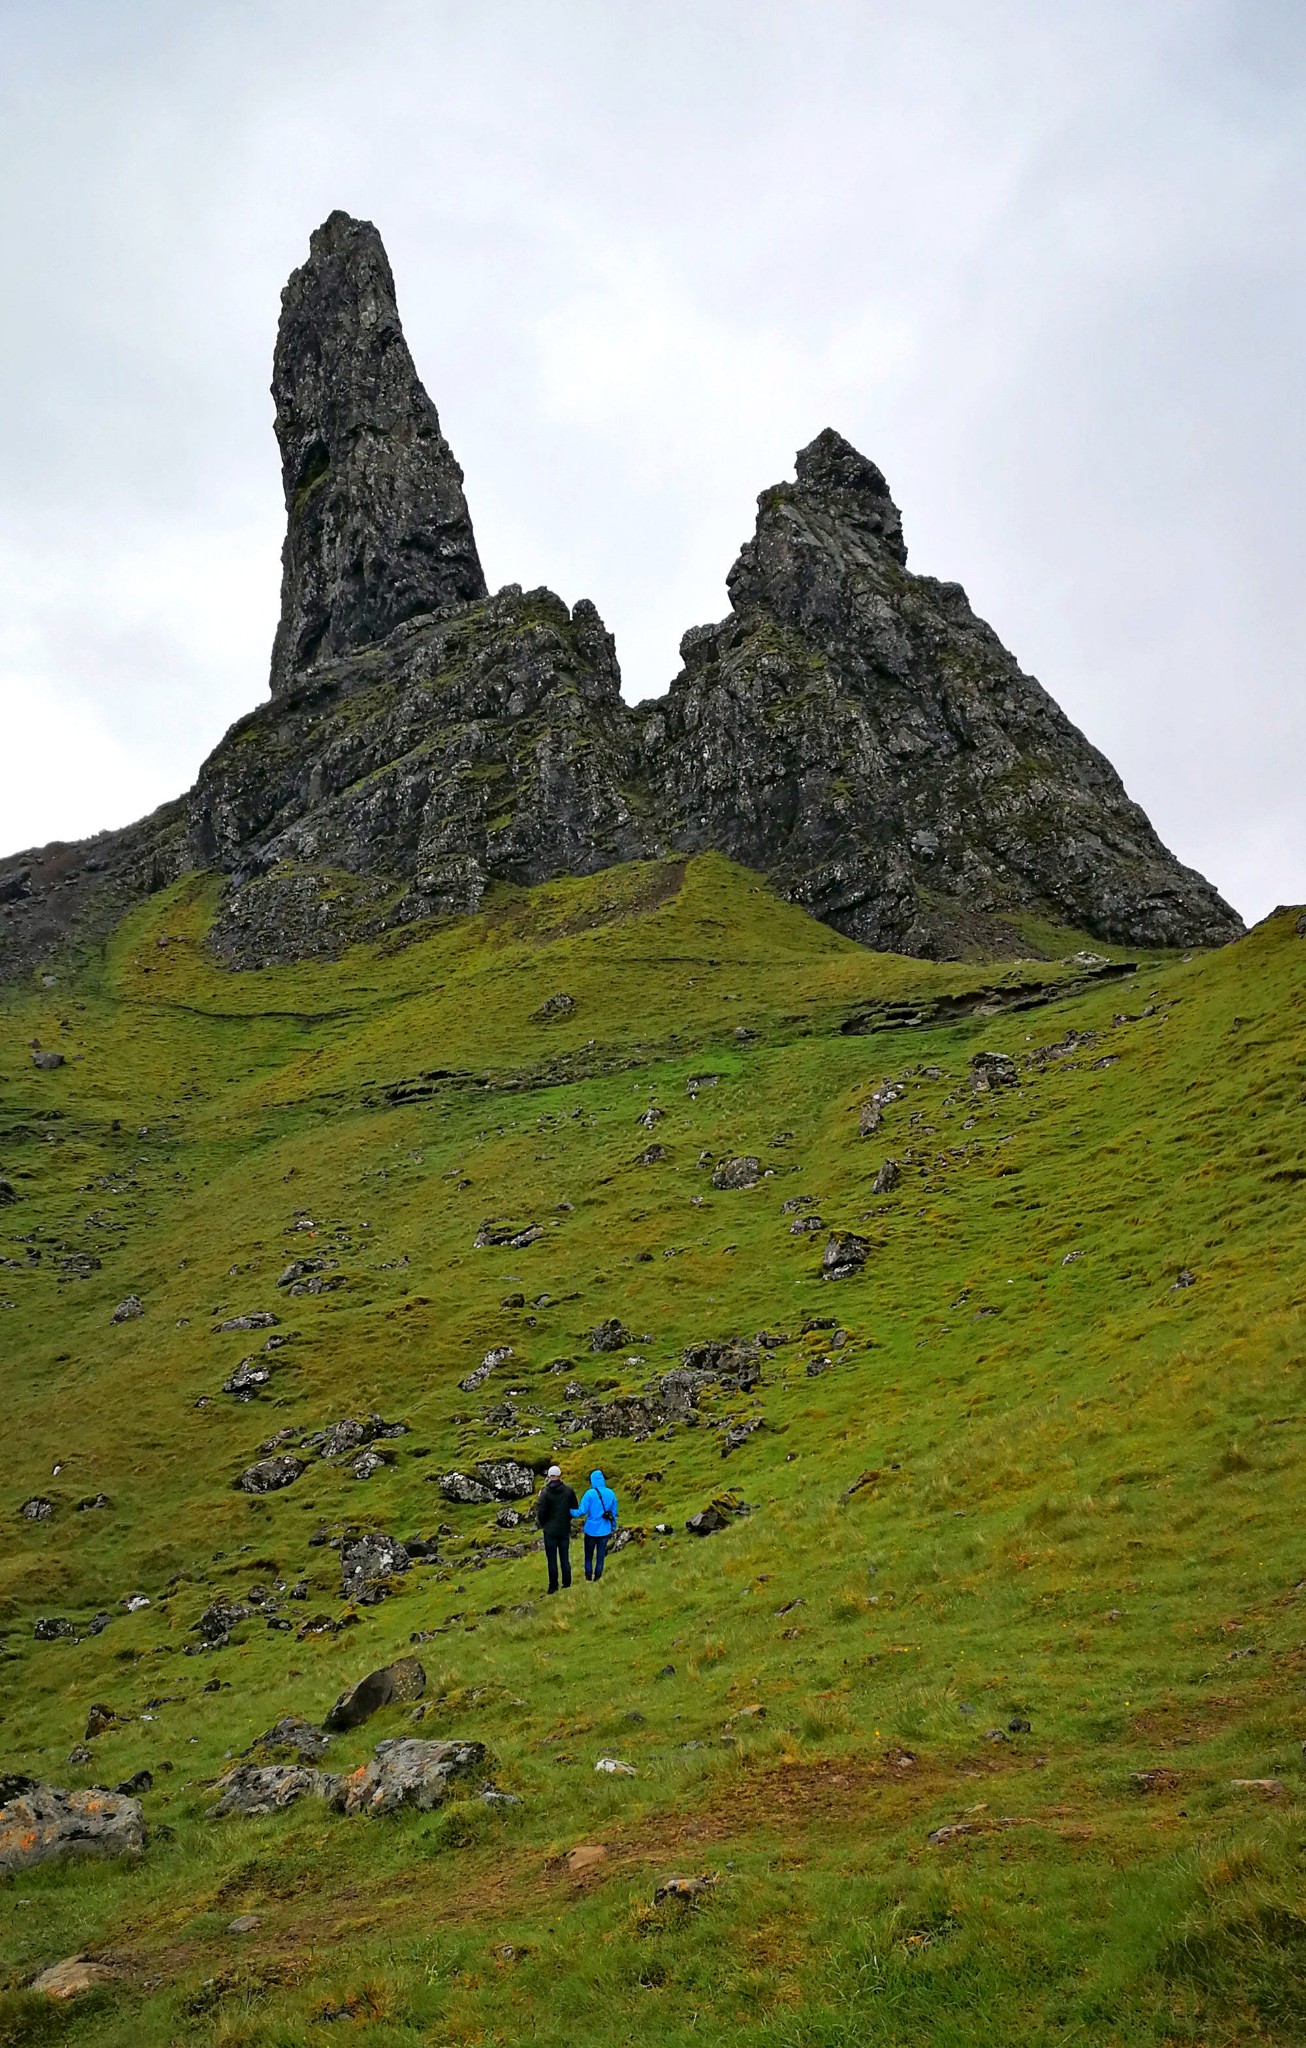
[553, 1511]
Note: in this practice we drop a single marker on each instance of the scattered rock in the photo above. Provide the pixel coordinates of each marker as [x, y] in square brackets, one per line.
[613, 1767]
[292, 1739]
[707, 1521]
[42, 1824]
[1184, 1279]
[628, 1415]
[79, 1754]
[1269, 1788]
[139, 1782]
[495, 1234]
[493, 1358]
[652, 1155]
[1018, 1725]
[47, 1061]
[37, 1509]
[393, 1685]
[743, 1172]
[609, 1335]
[844, 1255]
[128, 1310]
[990, 1070]
[8, 1193]
[78, 1974]
[54, 1628]
[652, 1117]
[506, 1478]
[739, 1434]
[886, 1180]
[217, 1621]
[549, 1012]
[409, 1772]
[245, 1923]
[99, 1718]
[253, 1790]
[257, 1319]
[508, 1518]
[464, 1491]
[869, 1118]
[367, 1464]
[367, 1564]
[268, 1475]
[249, 1376]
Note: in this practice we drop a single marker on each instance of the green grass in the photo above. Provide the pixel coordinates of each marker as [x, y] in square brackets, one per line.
[1084, 1508]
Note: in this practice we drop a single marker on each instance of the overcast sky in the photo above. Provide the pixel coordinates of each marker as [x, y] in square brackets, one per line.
[1041, 259]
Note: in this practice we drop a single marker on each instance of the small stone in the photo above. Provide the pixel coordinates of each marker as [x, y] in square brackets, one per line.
[613, 1767]
[1269, 1788]
[652, 1155]
[1184, 1279]
[127, 1310]
[37, 1509]
[244, 1923]
[609, 1335]
[47, 1061]
[869, 1118]
[557, 1006]
[887, 1179]
[685, 1891]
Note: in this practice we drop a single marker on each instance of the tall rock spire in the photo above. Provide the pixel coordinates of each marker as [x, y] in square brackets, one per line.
[377, 525]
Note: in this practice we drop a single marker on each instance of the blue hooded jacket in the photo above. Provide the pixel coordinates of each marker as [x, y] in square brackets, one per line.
[599, 1507]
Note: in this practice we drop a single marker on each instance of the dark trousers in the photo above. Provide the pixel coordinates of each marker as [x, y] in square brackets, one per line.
[557, 1549]
[596, 1549]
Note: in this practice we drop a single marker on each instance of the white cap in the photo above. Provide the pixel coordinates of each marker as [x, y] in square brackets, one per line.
[555, 1471]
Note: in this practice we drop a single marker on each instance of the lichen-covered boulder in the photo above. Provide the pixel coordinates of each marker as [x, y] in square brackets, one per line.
[42, 1824]
[254, 1790]
[409, 1772]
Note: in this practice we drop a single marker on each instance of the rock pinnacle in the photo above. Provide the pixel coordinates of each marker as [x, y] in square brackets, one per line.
[377, 525]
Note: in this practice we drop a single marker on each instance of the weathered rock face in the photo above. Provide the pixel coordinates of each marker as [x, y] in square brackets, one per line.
[852, 730]
[43, 1824]
[377, 525]
[858, 734]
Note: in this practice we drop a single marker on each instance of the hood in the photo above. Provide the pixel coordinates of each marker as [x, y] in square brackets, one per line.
[597, 1479]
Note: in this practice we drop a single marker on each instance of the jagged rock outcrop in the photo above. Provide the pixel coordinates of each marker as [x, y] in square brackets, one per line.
[377, 528]
[852, 729]
[856, 732]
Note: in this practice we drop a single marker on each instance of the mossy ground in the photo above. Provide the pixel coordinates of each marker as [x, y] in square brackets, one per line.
[1085, 1508]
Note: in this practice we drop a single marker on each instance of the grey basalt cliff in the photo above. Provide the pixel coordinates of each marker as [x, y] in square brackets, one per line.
[852, 730]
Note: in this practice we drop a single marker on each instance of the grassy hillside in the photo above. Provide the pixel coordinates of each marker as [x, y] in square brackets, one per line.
[1024, 1478]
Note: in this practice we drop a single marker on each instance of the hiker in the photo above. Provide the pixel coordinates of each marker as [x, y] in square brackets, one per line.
[553, 1511]
[599, 1507]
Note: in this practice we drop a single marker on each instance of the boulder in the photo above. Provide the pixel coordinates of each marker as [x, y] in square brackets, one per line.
[249, 1376]
[54, 1628]
[37, 1509]
[253, 1790]
[733, 1361]
[99, 1718]
[707, 1521]
[685, 1891]
[409, 1772]
[561, 1005]
[465, 1491]
[128, 1310]
[366, 1465]
[394, 1684]
[609, 1335]
[42, 1824]
[628, 1415]
[47, 1061]
[257, 1319]
[495, 1357]
[367, 1563]
[652, 1155]
[8, 1193]
[292, 1739]
[887, 1179]
[506, 1478]
[76, 1975]
[990, 1070]
[218, 1620]
[844, 1255]
[869, 1118]
[268, 1475]
[805, 1226]
[743, 1172]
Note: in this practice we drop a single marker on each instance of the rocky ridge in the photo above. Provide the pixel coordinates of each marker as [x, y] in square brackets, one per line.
[852, 730]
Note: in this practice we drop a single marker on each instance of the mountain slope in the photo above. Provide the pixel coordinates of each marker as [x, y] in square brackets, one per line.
[1017, 1470]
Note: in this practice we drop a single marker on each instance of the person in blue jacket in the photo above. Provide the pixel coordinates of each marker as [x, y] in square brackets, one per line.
[598, 1507]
